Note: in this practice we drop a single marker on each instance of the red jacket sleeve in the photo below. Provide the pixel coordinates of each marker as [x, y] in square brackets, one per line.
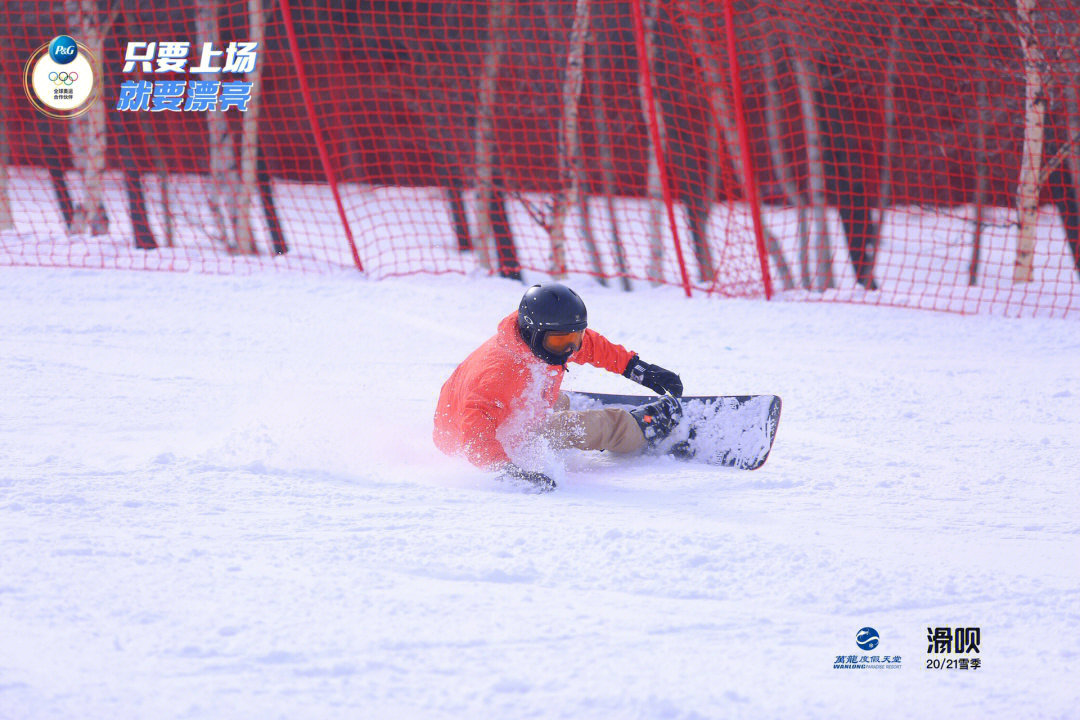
[598, 351]
[479, 421]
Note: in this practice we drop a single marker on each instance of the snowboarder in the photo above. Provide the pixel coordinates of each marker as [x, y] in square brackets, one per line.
[507, 391]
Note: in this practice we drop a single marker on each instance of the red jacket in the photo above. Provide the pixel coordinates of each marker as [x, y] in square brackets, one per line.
[503, 388]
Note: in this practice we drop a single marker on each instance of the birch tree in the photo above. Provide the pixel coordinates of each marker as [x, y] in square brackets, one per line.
[139, 137]
[1035, 101]
[702, 250]
[888, 112]
[723, 114]
[569, 154]
[249, 138]
[806, 83]
[435, 56]
[781, 165]
[498, 11]
[223, 175]
[88, 136]
[1072, 120]
[428, 102]
[607, 163]
[6, 222]
[654, 188]
[699, 213]
[164, 195]
[982, 169]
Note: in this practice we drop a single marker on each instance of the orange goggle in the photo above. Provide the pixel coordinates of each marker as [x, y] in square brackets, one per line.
[562, 343]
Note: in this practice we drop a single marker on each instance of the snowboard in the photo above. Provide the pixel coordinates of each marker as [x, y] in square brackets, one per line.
[729, 430]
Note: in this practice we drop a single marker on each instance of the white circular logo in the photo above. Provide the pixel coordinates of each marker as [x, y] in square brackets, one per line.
[61, 90]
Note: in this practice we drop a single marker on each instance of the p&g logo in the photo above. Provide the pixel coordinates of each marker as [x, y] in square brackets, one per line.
[63, 49]
[62, 78]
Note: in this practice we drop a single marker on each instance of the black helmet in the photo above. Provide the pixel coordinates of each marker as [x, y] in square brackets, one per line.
[550, 309]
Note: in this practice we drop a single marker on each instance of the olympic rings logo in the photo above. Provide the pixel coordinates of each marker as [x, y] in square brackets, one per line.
[63, 78]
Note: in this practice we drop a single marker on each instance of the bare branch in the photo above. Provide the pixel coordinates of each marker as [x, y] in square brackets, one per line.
[1052, 164]
[540, 217]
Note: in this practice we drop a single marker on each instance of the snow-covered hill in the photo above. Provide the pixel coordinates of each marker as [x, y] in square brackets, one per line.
[219, 498]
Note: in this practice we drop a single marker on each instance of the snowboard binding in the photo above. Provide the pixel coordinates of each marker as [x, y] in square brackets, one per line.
[735, 431]
[657, 419]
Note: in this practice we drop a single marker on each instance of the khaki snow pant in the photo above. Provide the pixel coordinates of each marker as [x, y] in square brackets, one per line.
[608, 429]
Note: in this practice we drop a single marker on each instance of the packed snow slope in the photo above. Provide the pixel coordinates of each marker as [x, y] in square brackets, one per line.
[219, 498]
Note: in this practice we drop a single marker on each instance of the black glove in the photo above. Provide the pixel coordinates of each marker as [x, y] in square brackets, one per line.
[654, 377]
[539, 480]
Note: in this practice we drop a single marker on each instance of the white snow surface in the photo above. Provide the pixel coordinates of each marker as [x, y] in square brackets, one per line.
[219, 498]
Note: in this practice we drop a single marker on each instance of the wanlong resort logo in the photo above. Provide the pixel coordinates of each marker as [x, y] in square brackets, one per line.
[867, 639]
[62, 78]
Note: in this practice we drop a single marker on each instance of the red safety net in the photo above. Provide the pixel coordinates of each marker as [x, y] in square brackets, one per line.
[917, 154]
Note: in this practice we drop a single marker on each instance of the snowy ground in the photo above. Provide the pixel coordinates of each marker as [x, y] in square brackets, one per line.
[219, 498]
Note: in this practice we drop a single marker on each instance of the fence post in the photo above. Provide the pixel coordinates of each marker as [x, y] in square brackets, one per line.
[294, 49]
[654, 131]
[739, 108]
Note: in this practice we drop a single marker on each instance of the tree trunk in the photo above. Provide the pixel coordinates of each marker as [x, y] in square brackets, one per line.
[127, 141]
[278, 245]
[782, 168]
[49, 138]
[223, 176]
[714, 81]
[1072, 122]
[607, 164]
[447, 158]
[723, 115]
[460, 218]
[588, 235]
[135, 138]
[702, 248]
[569, 128]
[505, 252]
[1060, 184]
[88, 136]
[6, 222]
[982, 169]
[249, 139]
[137, 134]
[846, 164]
[130, 147]
[699, 204]
[654, 187]
[1035, 100]
[888, 112]
[448, 142]
[806, 82]
[498, 11]
[165, 199]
